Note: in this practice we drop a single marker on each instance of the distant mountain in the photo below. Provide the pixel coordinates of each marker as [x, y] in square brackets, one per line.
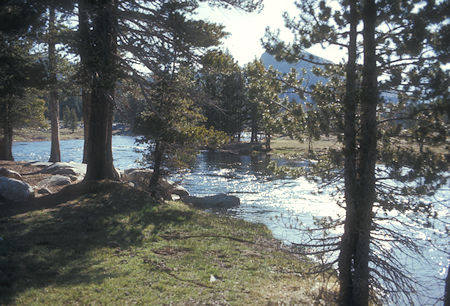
[284, 67]
[309, 78]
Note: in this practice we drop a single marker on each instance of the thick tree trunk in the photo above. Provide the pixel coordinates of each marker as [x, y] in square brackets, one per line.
[55, 152]
[86, 74]
[367, 157]
[347, 245]
[99, 148]
[6, 143]
[86, 98]
[7, 130]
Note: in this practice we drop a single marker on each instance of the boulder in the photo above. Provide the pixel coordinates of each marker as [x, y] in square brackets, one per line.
[40, 164]
[44, 191]
[54, 180]
[139, 177]
[179, 191]
[172, 188]
[218, 201]
[10, 173]
[15, 190]
[71, 168]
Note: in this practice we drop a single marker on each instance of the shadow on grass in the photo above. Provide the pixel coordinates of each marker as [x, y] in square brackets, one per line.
[50, 240]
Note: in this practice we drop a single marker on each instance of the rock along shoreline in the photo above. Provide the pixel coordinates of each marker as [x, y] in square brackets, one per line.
[22, 181]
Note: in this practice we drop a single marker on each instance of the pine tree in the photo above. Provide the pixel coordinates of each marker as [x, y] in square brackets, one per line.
[223, 82]
[263, 90]
[409, 55]
[138, 29]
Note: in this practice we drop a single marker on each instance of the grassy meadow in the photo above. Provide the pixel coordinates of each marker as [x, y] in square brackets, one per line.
[110, 244]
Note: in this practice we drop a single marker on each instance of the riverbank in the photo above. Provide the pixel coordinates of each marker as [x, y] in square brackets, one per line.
[44, 133]
[111, 244]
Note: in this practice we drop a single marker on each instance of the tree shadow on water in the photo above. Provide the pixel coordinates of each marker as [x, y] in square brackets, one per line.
[58, 240]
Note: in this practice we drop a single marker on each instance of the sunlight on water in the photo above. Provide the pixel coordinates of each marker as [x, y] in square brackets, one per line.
[278, 203]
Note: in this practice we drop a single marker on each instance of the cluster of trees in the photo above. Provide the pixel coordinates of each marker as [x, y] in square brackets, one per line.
[154, 59]
[112, 43]
[395, 49]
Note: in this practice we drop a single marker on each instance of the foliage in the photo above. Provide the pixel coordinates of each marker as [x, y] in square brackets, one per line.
[413, 86]
[19, 72]
[70, 118]
[223, 83]
[172, 120]
[263, 91]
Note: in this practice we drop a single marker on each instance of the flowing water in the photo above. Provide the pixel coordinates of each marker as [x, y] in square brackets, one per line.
[279, 203]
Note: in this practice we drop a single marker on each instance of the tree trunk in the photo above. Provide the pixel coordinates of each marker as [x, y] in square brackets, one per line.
[447, 288]
[268, 148]
[99, 148]
[55, 152]
[348, 239]
[6, 141]
[254, 136]
[86, 98]
[158, 155]
[86, 75]
[366, 194]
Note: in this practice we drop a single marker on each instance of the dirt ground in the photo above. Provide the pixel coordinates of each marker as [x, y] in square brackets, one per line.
[30, 174]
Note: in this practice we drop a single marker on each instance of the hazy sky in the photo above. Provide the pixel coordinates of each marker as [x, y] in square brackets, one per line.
[247, 29]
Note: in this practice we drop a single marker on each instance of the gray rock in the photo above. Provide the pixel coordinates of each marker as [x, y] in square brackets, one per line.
[70, 168]
[40, 164]
[54, 180]
[44, 190]
[218, 201]
[179, 191]
[140, 177]
[121, 173]
[10, 173]
[15, 190]
[174, 197]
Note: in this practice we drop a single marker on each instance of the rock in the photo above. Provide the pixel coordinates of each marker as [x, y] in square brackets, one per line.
[121, 173]
[140, 177]
[70, 168]
[44, 190]
[175, 197]
[218, 201]
[10, 173]
[40, 164]
[180, 191]
[15, 190]
[54, 180]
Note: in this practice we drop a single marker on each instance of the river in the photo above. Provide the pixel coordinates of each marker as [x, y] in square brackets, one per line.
[277, 203]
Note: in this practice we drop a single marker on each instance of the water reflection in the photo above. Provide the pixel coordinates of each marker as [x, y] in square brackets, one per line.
[277, 203]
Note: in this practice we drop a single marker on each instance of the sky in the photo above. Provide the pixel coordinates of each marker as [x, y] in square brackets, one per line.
[247, 29]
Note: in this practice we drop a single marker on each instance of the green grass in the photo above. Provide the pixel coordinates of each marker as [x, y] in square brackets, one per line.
[286, 147]
[114, 245]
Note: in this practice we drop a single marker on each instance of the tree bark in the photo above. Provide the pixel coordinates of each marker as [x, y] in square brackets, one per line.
[55, 152]
[348, 239]
[6, 141]
[86, 75]
[86, 101]
[268, 138]
[254, 119]
[104, 50]
[366, 194]
[447, 288]
[158, 155]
